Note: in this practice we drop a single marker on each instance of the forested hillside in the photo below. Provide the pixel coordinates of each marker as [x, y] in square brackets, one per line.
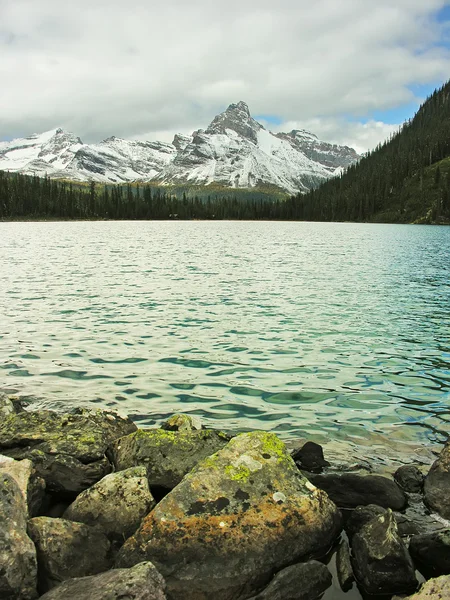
[404, 180]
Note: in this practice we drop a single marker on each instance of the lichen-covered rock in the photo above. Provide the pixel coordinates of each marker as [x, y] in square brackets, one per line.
[349, 490]
[31, 486]
[303, 581]
[431, 551]
[69, 449]
[168, 455]
[18, 567]
[66, 550]
[344, 566]
[381, 562]
[142, 582]
[182, 422]
[437, 484]
[117, 503]
[410, 478]
[240, 515]
[434, 589]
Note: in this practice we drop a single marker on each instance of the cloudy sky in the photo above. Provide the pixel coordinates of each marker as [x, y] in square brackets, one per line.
[349, 70]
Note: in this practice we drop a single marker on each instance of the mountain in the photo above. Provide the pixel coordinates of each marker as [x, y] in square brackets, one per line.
[234, 151]
[404, 180]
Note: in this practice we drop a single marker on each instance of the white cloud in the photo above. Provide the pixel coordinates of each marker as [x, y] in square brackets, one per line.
[146, 66]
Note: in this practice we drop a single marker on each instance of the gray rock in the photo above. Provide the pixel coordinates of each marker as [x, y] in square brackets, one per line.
[18, 567]
[9, 405]
[381, 562]
[303, 581]
[69, 449]
[182, 422]
[66, 550]
[344, 566]
[360, 517]
[31, 486]
[349, 490]
[117, 503]
[437, 484]
[142, 582]
[431, 552]
[409, 478]
[240, 515]
[434, 589]
[168, 455]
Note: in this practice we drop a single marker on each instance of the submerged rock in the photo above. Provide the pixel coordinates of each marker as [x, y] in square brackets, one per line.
[31, 486]
[431, 551]
[310, 457]
[237, 517]
[69, 449]
[142, 582]
[168, 455]
[117, 503]
[381, 562]
[18, 566]
[303, 581]
[437, 484]
[409, 478]
[349, 490]
[66, 549]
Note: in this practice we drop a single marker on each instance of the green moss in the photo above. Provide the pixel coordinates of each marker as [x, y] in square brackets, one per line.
[239, 473]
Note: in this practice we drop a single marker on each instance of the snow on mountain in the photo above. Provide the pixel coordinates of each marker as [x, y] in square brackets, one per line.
[234, 150]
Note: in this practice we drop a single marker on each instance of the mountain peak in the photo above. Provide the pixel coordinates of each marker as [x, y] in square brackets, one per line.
[236, 118]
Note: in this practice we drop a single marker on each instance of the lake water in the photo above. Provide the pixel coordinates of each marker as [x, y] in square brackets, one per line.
[321, 330]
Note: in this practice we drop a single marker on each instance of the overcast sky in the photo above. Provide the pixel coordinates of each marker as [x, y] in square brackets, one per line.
[349, 70]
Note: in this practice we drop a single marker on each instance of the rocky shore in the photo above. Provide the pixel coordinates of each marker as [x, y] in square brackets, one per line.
[94, 508]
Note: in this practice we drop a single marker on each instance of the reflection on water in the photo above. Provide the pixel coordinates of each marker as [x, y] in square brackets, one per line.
[325, 331]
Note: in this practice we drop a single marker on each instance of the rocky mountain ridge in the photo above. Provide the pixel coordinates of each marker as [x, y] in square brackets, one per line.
[234, 151]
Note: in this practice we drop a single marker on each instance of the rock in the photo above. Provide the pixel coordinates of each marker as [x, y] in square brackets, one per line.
[240, 515]
[9, 405]
[168, 455]
[349, 490]
[302, 581]
[410, 478]
[437, 484]
[117, 503]
[142, 582]
[66, 549]
[434, 589]
[68, 450]
[310, 457]
[344, 566]
[381, 562]
[406, 527]
[31, 486]
[431, 552]
[360, 517]
[18, 567]
[181, 422]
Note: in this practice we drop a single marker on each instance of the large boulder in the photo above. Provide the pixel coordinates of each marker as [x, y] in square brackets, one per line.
[117, 503]
[18, 566]
[69, 449]
[240, 515]
[168, 455]
[431, 551]
[381, 562]
[303, 581]
[66, 549]
[434, 589]
[31, 485]
[349, 490]
[142, 582]
[437, 484]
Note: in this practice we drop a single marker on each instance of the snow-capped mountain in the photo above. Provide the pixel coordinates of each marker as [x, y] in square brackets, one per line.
[234, 151]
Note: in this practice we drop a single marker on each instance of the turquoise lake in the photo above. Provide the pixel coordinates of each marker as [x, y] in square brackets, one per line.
[321, 330]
